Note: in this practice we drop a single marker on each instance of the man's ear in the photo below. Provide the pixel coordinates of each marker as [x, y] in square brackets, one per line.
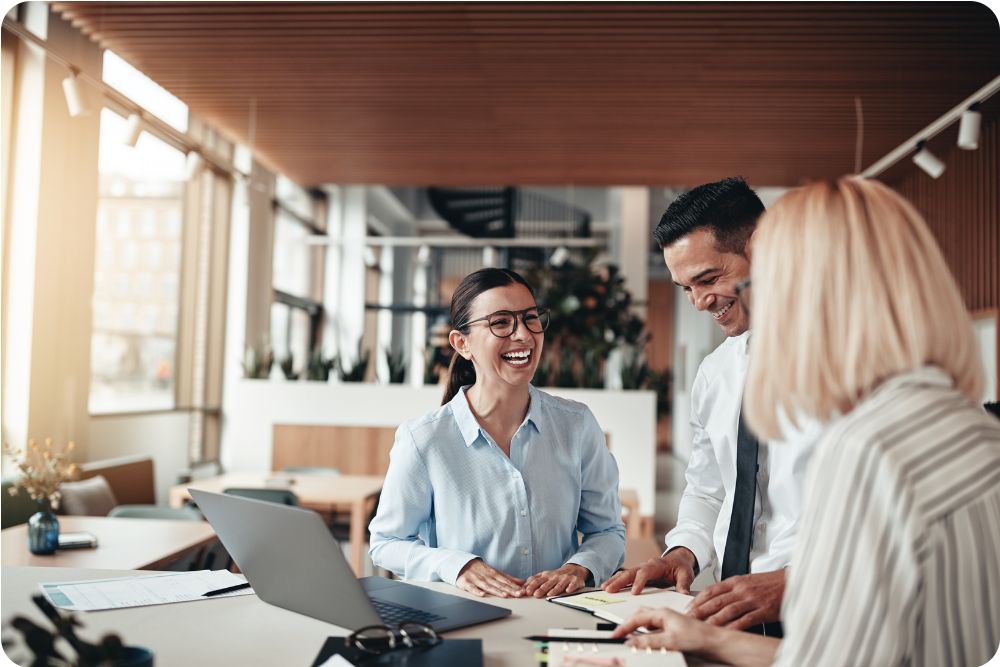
[458, 343]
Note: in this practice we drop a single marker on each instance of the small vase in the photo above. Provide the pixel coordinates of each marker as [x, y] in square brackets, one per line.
[43, 530]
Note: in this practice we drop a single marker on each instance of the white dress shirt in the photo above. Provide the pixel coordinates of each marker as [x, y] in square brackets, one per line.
[707, 503]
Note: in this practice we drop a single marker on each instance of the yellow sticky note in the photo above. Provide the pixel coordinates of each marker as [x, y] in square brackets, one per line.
[596, 599]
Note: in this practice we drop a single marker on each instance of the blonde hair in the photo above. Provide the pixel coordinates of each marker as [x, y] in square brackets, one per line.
[850, 288]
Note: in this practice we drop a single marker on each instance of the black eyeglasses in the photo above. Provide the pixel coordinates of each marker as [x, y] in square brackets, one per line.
[378, 639]
[503, 323]
[743, 294]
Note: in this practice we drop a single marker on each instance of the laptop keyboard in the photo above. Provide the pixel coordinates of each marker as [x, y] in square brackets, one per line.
[393, 614]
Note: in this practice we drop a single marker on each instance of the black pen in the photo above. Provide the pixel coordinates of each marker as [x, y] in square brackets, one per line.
[577, 640]
[230, 589]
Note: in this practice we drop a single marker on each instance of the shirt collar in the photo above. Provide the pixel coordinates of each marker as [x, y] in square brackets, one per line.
[468, 425]
[923, 376]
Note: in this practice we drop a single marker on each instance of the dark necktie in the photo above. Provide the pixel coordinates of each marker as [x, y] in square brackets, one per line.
[737, 556]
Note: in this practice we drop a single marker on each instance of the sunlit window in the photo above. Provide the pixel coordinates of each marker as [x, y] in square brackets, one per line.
[293, 257]
[144, 91]
[136, 272]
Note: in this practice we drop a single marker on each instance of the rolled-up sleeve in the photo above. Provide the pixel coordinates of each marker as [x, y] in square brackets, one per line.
[600, 519]
[704, 493]
[405, 513]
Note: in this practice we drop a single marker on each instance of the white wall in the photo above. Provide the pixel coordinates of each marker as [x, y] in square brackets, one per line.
[695, 335]
[162, 436]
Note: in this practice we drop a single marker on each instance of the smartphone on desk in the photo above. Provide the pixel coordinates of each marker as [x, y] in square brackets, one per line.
[80, 540]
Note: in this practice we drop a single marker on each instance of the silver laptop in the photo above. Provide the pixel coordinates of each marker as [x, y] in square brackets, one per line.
[292, 561]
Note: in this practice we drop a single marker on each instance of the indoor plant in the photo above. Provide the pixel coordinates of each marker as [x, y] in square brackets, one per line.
[42, 470]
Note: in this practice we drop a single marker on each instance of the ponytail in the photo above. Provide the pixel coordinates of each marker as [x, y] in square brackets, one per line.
[460, 373]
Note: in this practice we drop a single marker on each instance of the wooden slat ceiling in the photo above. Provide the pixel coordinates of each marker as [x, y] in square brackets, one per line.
[553, 93]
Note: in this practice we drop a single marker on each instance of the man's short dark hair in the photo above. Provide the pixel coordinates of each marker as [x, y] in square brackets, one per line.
[728, 207]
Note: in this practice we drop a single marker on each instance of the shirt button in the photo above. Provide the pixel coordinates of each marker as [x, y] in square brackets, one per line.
[524, 512]
[514, 475]
[525, 552]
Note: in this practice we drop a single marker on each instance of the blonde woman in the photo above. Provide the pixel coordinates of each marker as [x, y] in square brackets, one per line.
[857, 321]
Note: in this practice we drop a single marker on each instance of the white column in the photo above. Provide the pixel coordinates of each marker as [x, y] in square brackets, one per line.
[418, 332]
[350, 313]
[635, 240]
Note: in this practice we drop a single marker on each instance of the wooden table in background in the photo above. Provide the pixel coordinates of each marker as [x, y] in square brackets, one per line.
[323, 493]
[122, 544]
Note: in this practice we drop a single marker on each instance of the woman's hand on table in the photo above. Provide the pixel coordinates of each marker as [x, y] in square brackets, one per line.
[668, 629]
[570, 577]
[480, 579]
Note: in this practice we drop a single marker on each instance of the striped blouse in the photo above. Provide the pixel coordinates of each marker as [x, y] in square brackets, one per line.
[898, 559]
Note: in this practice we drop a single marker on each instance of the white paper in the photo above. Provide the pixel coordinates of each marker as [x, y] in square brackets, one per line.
[141, 591]
[336, 660]
[616, 607]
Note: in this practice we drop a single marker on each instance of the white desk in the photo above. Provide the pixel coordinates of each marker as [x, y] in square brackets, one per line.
[246, 631]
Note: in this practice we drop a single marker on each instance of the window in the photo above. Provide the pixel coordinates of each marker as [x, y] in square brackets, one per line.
[144, 91]
[296, 277]
[136, 271]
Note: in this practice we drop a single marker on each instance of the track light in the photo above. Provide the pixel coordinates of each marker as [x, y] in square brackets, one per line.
[424, 256]
[559, 256]
[968, 129]
[194, 165]
[133, 130]
[76, 98]
[927, 161]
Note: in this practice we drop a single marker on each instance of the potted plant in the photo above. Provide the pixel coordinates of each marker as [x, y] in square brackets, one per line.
[397, 366]
[42, 470]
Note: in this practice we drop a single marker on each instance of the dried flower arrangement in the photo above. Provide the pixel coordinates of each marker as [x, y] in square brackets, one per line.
[43, 469]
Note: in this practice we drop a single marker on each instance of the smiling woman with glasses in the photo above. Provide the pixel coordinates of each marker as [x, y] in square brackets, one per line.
[490, 491]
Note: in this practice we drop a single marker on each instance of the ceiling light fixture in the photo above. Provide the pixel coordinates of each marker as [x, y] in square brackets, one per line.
[559, 256]
[927, 161]
[968, 128]
[133, 129]
[76, 98]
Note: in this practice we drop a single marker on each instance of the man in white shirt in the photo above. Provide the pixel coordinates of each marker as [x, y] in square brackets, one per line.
[744, 523]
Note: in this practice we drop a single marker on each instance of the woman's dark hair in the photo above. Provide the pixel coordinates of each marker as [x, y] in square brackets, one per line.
[461, 371]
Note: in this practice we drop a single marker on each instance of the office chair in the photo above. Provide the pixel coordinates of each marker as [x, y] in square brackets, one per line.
[203, 559]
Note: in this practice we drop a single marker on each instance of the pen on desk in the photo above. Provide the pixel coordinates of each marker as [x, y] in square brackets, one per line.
[577, 640]
[230, 589]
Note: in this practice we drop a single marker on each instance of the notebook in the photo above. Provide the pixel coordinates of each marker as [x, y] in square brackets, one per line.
[616, 607]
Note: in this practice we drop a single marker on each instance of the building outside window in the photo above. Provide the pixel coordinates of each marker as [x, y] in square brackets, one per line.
[137, 272]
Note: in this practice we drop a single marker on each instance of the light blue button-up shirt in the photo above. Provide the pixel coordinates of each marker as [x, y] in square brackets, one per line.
[451, 495]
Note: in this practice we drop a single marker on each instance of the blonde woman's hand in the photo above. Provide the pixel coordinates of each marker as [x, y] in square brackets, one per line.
[570, 577]
[668, 629]
[480, 579]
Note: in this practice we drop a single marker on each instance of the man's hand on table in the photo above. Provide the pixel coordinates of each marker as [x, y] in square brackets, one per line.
[742, 601]
[570, 577]
[675, 568]
[480, 579]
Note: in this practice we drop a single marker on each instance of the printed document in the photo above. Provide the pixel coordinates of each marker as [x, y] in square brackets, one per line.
[140, 591]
